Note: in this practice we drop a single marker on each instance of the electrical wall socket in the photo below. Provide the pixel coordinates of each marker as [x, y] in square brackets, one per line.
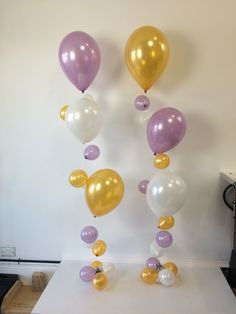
[7, 251]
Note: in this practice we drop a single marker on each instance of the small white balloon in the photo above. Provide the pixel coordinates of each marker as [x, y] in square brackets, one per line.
[89, 245]
[109, 269]
[155, 249]
[166, 277]
[143, 117]
[166, 193]
[84, 118]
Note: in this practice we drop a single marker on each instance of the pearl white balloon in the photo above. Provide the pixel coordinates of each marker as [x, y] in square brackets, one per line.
[109, 269]
[166, 193]
[155, 250]
[84, 118]
[89, 245]
[166, 277]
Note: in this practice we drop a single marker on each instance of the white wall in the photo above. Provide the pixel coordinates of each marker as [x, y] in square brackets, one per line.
[40, 213]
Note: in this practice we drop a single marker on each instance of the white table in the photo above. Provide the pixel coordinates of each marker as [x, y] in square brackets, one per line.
[201, 290]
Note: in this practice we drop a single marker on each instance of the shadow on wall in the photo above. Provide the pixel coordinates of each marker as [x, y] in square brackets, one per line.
[181, 62]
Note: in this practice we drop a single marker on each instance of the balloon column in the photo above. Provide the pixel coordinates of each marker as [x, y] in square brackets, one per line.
[79, 57]
[146, 56]
[97, 273]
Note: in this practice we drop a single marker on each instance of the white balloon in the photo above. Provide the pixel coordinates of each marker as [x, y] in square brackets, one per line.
[109, 269]
[166, 277]
[89, 245]
[166, 193]
[84, 118]
[155, 249]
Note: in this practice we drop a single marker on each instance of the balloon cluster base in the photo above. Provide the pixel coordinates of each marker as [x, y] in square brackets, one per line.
[157, 273]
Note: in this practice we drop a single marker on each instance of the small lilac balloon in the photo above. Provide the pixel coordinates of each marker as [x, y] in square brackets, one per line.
[164, 239]
[153, 262]
[89, 234]
[142, 102]
[80, 58]
[166, 129]
[87, 273]
[143, 186]
[91, 152]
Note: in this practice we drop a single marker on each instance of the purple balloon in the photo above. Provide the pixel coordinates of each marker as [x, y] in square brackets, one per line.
[87, 273]
[166, 128]
[164, 239]
[80, 58]
[153, 262]
[143, 186]
[142, 102]
[91, 152]
[89, 234]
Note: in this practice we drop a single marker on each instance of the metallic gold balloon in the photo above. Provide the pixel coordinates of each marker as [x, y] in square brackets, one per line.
[96, 264]
[161, 161]
[63, 112]
[172, 267]
[146, 55]
[99, 281]
[149, 275]
[99, 248]
[78, 178]
[104, 191]
[166, 223]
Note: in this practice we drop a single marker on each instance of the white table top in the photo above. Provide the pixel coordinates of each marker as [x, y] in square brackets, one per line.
[200, 290]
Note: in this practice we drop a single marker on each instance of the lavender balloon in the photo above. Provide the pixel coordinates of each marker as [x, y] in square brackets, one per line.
[166, 129]
[91, 152]
[87, 273]
[80, 58]
[164, 239]
[142, 102]
[89, 234]
[143, 186]
[153, 262]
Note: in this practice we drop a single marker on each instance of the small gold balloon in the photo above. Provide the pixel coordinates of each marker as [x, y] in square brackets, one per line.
[63, 112]
[166, 223]
[172, 267]
[149, 275]
[99, 281]
[161, 161]
[99, 248]
[78, 178]
[96, 264]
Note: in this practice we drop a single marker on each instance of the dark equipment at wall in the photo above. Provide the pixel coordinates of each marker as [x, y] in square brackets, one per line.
[229, 190]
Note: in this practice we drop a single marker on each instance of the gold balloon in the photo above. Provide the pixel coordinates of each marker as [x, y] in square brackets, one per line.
[99, 248]
[166, 223]
[104, 191]
[99, 281]
[149, 275]
[146, 55]
[96, 264]
[78, 178]
[63, 112]
[161, 161]
[172, 267]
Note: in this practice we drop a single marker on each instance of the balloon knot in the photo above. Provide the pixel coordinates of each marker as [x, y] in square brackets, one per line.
[145, 91]
[94, 216]
[83, 91]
